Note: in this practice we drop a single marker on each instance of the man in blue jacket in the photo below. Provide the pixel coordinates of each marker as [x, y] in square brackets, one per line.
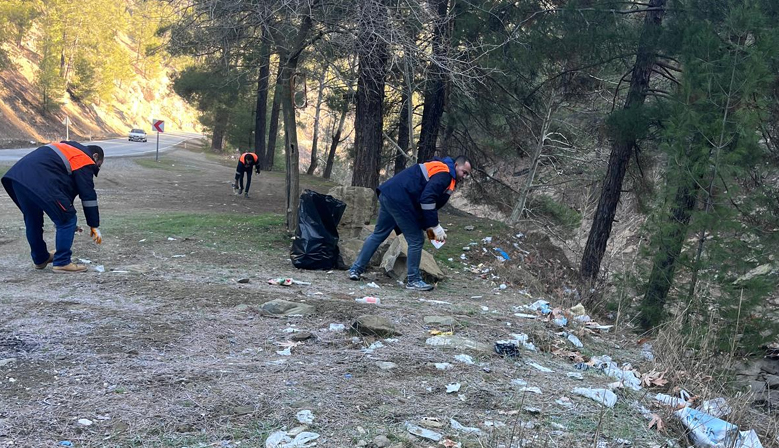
[245, 164]
[410, 202]
[47, 180]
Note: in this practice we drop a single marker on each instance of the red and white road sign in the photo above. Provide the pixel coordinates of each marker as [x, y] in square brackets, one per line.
[158, 125]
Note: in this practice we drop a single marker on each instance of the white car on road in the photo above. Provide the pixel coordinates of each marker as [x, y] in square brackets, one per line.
[137, 135]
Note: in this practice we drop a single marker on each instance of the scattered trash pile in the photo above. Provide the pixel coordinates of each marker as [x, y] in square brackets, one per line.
[297, 437]
[522, 260]
[704, 423]
[570, 329]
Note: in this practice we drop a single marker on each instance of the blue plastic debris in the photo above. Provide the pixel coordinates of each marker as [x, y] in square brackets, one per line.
[561, 321]
[65, 443]
[502, 254]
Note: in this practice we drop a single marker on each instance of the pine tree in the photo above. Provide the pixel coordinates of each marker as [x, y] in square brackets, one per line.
[713, 144]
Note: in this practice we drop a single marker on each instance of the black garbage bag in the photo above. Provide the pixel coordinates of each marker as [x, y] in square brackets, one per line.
[316, 240]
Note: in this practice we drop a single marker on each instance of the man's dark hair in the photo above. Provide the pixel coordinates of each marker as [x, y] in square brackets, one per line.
[96, 150]
[461, 159]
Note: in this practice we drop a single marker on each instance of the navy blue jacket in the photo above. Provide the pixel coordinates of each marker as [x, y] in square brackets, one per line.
[56, 182]
[411, 191]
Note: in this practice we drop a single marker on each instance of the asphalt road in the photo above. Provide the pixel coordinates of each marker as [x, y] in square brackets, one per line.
[118, 147]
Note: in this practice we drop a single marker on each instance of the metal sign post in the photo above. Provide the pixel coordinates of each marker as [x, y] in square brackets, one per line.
[158, 126]
[66, 122]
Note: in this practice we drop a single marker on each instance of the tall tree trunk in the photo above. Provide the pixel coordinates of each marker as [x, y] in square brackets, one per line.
[403, 132]
[261, 111]
[273, 127]
[334, 142]
[369, 115]
[669, 248]
[289, 62]
[435, 87]
[314, 162]
[222, 116]
[622, 146]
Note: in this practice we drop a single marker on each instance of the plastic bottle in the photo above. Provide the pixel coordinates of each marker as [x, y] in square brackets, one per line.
[369, 299]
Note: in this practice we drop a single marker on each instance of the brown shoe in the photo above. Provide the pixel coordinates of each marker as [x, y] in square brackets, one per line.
[72, 267]
[46, 263]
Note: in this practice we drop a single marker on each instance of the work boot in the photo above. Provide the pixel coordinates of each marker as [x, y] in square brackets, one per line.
[419, 285]
[70, 268]
[246, 195]
[46, 263]
[240, 190]
[354, 275]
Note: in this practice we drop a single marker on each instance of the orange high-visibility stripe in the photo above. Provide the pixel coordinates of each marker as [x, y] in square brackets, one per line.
[243, 157]
[436, 167]
[75, 157]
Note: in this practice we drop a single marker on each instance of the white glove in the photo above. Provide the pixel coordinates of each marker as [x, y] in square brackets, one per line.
[96, 236]
[439, 233]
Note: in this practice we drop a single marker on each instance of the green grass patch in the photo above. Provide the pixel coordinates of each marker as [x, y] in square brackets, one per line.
[4, 169]
[165, 164]
[224, 232]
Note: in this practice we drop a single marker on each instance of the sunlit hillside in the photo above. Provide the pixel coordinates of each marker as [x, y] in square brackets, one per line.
[104, 89]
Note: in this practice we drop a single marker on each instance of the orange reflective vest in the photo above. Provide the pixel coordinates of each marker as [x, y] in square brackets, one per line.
[73, 158]
[250, 154]
[429, 169]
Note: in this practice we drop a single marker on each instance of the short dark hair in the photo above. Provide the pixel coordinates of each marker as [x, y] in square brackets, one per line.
[96, 150]
[462, 159]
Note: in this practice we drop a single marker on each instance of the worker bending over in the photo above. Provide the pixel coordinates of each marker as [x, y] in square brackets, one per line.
[47, 180]
[409, 202]
[245, 164]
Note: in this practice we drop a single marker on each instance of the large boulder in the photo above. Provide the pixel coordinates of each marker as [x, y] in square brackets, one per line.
[350, 247]
[360, 206]
[279, 307]
[394, 262]
[371, 325]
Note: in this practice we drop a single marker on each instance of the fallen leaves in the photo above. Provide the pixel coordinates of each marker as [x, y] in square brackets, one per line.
[654, 379]
[657, 423]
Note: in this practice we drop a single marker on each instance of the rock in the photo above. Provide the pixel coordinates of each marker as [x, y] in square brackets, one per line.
[374, 326]
[394, 262]
[351, 247]
[243, 280]
[381, 441]
[360, 206]
[301, 336]
[242, 410]
[440, 320]
[469, 228]
[6, 361]
[280, 307]
[756, 272]
[386, 365]
[361, 443]
[459, 343]
[772, 381]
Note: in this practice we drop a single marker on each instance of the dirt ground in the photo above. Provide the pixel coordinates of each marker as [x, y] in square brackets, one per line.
[166, 349]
